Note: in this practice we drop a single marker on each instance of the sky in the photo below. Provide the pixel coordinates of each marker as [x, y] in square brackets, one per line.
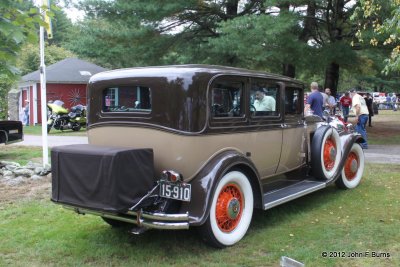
[75, 14]
[72, 13]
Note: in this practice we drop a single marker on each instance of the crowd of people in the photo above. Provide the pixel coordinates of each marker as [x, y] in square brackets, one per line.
[392, 101]
[320, 101]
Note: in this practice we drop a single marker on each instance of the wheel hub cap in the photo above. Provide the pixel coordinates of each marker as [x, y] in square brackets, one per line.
[233, 208]
[354, 165]
[329, 154]
[332, 153]
[351, 166]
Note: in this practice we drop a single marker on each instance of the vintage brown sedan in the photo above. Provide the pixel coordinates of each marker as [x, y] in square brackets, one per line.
[184, 146]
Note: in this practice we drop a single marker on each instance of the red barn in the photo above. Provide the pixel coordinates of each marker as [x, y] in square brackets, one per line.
[66, 81]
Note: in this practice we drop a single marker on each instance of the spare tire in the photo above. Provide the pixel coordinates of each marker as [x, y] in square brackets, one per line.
[326, 152]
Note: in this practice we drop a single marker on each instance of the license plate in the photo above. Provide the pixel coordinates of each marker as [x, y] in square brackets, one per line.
[13, 131]
[178, 191]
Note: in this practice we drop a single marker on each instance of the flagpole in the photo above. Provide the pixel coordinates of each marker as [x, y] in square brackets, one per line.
[43, 93]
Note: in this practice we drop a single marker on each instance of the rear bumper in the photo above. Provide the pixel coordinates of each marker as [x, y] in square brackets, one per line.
[8, 138]
[151, 220]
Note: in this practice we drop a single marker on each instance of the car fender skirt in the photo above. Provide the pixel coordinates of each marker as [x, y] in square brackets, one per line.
[204, 183]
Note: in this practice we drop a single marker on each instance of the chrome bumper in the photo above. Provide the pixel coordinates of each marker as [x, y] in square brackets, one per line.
[142, 218]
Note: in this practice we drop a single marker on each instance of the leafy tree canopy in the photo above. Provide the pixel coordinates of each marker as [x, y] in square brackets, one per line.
[17, 26]
[305, 38]
[29, 59]
[379, 22]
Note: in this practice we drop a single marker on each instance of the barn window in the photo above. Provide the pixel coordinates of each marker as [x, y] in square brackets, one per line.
[127, 99]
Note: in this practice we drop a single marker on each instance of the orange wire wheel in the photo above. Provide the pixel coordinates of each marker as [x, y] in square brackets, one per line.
[351, 166]
[330, 152]
[326, 153]
[229, 207]
[231, 210]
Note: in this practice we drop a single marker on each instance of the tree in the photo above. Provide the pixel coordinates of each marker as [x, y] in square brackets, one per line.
[16, 27]
[301, 38]
[328, 28]
[62, 26]
[379, 23]
[18, 20]
[257, 45]
[138, 32]
[29, 59]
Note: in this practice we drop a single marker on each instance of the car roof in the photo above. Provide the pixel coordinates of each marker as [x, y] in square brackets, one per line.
[185, 70]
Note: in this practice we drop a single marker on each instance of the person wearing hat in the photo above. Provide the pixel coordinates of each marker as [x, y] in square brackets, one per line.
[360, 109]
[26, 113]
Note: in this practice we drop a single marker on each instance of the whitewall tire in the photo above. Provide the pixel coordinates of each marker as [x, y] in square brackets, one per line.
[353, 168]
[326, 153]
[231, 211]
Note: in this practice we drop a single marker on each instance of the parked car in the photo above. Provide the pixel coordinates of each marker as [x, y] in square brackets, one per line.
[11, 132]
[175, 147]
[379, 97]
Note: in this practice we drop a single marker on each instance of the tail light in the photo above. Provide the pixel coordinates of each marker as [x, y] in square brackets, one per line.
[171, 176]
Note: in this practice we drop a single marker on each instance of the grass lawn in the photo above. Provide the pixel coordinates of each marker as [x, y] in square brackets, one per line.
[385, 128]
[20, 154]
[37, 130]
[35, 232]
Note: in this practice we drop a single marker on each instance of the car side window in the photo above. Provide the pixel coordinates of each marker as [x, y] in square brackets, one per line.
[264, 98]
[227, 99]
[293, 98]
[127, 99]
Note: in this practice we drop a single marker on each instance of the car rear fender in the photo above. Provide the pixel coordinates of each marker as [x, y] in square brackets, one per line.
[204, 183]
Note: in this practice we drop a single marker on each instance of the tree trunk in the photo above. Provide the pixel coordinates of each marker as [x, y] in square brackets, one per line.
[335, 32]
[309, 22]
[289, 70]
[332, 77]
[232, 8]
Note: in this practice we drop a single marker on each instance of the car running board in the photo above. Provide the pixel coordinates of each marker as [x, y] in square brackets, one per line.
[302, 188]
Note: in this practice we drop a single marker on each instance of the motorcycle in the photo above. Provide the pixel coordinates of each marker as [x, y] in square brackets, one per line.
[60, 118]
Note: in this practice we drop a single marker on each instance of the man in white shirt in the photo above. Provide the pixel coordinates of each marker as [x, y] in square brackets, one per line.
[264, 102]
[360, 109]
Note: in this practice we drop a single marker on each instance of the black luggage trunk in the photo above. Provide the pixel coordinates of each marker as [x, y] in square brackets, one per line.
[110, 179]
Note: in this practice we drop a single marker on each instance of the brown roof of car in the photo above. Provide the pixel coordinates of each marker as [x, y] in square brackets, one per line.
[182, 70]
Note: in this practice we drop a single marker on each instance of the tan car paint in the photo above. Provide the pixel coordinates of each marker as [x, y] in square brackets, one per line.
[188, 154]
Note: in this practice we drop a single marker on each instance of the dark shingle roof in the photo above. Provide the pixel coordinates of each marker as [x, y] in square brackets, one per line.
[69, 70]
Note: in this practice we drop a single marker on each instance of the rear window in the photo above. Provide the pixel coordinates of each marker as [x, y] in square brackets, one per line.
[127, 99]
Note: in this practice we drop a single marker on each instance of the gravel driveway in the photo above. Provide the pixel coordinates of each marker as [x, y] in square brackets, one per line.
[389, 154]
[36, 140]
